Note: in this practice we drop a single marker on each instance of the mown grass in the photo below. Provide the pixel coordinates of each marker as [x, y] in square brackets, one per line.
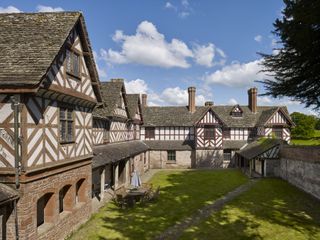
[271, 209]
[315, 140]
[182, 193]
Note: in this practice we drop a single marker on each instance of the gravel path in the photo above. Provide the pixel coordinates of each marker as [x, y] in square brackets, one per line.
[176, 231]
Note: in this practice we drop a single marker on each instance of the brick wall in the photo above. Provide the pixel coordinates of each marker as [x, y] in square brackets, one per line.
[301, 167]
[61, 224]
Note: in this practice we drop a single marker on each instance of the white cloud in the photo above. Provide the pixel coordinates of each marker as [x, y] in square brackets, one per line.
[149, 47]
[170, 6]
[204, 55]
[237, 74]
[273, 42]
[265, 100]
[232, 101]
[171, 96]
[42, 8]
[9, 9]
[258, 38]
[184, 14]
[136, 86]
[185, 3]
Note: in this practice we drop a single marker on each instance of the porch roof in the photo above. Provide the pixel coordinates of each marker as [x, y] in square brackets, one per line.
[113, 152]
[7, 194]
[170, 145]
[257, 148]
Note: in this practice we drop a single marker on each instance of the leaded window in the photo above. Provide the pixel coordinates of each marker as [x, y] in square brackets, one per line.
[209, 132]
[66, 125]
[72, 63]
[171, 155]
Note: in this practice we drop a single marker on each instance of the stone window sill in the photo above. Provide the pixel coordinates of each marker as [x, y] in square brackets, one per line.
[44, 228]
[64, 214]
[171, 162]
[79, 205]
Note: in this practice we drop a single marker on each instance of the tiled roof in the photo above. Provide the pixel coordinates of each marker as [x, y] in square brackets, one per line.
[113, 152]
[258, 147]
[233, 144]
[180, 116]
[170, 145]
[110, 92]
[29, 43]
[7, 193]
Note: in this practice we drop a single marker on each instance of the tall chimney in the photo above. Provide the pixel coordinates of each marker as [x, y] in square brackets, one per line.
[144, 99]
[192, 99]
[252, 99]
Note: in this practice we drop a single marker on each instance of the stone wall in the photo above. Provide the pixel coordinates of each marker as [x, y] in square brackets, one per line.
[159, 159]
[209, 159]
[75, 212]
[7, 228]
[301, 167]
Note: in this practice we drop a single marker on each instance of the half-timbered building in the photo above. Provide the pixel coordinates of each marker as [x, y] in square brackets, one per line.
[49, 87]
[209, 135]
[118, 150]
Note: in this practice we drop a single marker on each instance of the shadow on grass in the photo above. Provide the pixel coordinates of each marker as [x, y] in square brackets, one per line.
[182, 193]
[272, 209]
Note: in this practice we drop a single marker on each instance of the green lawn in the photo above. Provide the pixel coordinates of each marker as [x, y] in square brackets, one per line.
[182, 193]
[308, 142]
[272, 209]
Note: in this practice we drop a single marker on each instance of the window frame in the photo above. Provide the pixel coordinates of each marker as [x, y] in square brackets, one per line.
[150, 132]
[276, 130]
[171, 155]
[63, 138]
[71, 57]
[209, 132]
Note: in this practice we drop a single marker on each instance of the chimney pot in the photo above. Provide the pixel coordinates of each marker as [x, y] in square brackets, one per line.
[208, 103]
[252, 99]
[192, 99]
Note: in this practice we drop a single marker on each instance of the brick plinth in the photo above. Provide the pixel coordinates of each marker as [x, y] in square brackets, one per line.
[77, 209]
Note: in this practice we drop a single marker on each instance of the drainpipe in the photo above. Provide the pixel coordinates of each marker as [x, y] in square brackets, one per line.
[15, 107]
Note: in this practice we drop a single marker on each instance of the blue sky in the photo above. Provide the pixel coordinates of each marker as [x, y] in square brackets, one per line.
[162, 47]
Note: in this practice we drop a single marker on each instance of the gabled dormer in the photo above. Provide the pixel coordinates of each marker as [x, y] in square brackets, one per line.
[134, 108]
[279, 118]
[114, 100]
[236, 111]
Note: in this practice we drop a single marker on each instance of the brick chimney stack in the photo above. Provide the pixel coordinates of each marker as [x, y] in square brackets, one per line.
[252, 99]
[192, 99]
[144, 99]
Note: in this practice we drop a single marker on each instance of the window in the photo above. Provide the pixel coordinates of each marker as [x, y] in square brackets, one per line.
[227, 154]
[171, 155]
[236, 114]
[72, 63]
[150, 132]
[66, 125]
[209, 132]
[277, 132]
[226, 133]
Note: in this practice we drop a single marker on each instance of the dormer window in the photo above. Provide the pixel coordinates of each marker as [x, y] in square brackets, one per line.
[236, 114]
[72, 63]
[236, 111]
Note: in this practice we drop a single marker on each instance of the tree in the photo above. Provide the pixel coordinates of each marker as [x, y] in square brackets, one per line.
[305, 125]
[294, 69]
[317, 126]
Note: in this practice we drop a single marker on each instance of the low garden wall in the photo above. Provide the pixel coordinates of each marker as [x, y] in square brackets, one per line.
[300, 165]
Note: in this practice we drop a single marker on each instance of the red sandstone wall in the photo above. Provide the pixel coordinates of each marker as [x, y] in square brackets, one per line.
[64, 223]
